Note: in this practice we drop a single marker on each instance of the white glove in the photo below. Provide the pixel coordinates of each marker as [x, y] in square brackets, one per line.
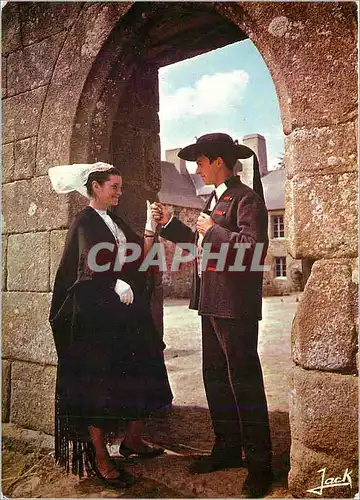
[151, 223]
[124, 291]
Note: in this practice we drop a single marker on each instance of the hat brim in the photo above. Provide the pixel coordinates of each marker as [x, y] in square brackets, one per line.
[191, 152]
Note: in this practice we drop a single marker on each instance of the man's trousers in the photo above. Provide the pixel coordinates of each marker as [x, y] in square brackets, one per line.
[235, 390]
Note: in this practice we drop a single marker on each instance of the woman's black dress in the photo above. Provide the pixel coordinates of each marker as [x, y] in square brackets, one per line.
[110, 355]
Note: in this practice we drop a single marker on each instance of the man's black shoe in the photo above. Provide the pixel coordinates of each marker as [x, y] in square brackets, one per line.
[257, 485]
[212, 463]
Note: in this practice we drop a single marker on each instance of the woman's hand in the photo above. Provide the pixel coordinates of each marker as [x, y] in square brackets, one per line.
[124, 291]
[151, 223]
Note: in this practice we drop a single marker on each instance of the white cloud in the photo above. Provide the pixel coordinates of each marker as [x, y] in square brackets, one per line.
[210, 95]
[272, 162]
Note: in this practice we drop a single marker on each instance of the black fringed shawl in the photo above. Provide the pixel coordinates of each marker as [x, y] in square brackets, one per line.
[110, 356]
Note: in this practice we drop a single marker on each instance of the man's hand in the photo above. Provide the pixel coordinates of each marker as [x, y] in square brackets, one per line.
[160, 213]
[204, 223]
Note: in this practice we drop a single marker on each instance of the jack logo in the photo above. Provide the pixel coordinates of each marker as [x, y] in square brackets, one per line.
[332, 482]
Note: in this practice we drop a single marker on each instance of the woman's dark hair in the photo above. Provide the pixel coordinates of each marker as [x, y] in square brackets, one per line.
[100, 177]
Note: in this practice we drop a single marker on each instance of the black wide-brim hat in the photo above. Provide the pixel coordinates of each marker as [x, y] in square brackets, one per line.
[218, 144]
[215, 144]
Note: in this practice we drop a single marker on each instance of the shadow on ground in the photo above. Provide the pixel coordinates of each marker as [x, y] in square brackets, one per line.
[188, 431]
[29, 470]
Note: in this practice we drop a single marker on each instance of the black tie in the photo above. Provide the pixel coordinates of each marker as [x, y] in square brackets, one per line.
[213, 197]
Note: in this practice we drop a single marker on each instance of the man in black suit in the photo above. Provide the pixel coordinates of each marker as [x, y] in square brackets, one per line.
[229, 302]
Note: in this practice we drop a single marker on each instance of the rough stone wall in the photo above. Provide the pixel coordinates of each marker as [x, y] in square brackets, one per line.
[135, 142]
[317, 43]
[32, 213]
[50, 113]
[45, 61]
[62, 86]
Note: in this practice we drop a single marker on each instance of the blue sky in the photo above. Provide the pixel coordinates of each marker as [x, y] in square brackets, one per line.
[227, 90]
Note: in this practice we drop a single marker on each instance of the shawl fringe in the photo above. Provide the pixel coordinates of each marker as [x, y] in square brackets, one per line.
[73, 453]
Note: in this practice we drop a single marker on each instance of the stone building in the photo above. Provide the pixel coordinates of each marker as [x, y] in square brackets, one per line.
[80, 83]
[285, 274]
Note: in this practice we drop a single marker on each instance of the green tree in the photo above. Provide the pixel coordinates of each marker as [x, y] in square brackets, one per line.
[281, 162]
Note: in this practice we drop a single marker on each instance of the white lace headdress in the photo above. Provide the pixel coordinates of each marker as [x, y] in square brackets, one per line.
[67, 178]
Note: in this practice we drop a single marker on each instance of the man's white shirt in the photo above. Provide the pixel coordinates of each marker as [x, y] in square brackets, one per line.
[219, 191]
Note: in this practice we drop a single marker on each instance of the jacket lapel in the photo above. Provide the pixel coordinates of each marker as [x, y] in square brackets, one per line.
[230, 182]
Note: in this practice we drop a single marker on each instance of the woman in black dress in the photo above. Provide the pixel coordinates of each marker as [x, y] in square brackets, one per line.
[110, 355]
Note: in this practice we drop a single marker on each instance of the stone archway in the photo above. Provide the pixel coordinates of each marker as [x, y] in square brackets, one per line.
[310, 50]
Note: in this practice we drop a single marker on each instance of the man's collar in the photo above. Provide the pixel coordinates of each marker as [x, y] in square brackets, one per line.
[221, 188]
[231, 181]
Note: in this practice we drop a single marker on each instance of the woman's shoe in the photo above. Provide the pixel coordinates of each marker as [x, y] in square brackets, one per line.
[123, 480]
[127, 452]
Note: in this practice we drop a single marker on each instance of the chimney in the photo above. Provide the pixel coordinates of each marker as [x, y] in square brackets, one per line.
[172, 157]
[257, 143]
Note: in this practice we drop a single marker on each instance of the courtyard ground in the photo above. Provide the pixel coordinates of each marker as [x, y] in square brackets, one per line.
[28, 468]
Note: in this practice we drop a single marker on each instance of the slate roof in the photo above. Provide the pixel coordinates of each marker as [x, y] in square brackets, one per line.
[274, 187]
[201, 188]
[188, 190]
[178, 189]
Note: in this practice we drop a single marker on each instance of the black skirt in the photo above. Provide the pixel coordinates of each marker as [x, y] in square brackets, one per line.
[113, 372]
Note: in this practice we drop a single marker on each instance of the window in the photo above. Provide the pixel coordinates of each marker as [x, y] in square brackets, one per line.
[278, 226]
[280, 267]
